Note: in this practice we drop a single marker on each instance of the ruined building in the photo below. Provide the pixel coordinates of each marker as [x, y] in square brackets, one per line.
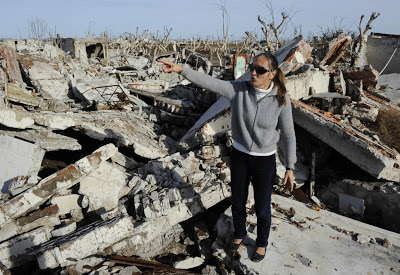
[109, 165]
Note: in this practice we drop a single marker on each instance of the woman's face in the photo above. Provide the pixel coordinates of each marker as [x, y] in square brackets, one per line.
[262, 81]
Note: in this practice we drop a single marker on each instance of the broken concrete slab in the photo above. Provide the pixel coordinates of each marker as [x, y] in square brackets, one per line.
[330, 102]
[66, 203]
[53, 89]
[90, 240]
[126, 128]
[126, 162]
[15, 118]
[364, 112]
[300, 246]
[139, 63]
[175, 106]
[366, 74]
[11, 64]
[371, 156]
[152, 86]
[49, 186]
[336, 50]
[16, 251]
[45, 139]
[21, 95]
[38, 68]
[45, 77]
[104, 187]
[41, 141]
[48, 217]
[293, 55]
[19, 158]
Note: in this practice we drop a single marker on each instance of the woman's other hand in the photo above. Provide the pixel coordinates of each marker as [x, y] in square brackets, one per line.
[288, 181]
[170, 67]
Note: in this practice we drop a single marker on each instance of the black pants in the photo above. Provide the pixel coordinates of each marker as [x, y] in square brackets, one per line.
[261, 171]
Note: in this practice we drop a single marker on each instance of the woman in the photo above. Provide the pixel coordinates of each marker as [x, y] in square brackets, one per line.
[259, 108]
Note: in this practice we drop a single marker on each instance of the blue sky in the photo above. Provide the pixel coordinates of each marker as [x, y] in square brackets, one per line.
[189, 18]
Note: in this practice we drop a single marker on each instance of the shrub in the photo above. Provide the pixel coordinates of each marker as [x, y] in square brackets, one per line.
[388, 122]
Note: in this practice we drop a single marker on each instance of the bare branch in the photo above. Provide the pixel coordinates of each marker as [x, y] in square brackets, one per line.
[37, 28]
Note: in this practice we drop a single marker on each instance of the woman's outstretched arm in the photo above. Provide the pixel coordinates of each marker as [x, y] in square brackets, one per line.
[222, 87]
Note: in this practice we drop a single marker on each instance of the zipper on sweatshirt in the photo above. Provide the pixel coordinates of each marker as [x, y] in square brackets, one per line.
[252, 129]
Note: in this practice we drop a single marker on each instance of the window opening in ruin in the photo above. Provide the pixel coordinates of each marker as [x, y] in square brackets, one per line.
[95, 50]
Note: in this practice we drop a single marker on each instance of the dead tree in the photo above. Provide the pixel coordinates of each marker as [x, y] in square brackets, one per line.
[266, 32]
[271, 30]
[249, 41]
[37, 28]
[362, 38]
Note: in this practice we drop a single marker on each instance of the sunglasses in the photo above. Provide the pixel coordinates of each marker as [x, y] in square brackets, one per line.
[259, 69]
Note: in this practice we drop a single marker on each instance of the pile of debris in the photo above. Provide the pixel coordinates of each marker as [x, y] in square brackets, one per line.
[104, 154]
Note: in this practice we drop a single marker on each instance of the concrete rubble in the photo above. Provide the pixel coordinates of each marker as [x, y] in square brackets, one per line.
[105, 158]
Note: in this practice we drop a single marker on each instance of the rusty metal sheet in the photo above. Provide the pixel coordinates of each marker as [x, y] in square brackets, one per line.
[13, 71]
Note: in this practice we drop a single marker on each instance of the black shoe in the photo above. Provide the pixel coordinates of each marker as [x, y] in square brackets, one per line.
[257, 257]
[233, 247]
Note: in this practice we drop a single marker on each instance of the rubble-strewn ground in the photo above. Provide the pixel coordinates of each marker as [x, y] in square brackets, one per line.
[109, 165]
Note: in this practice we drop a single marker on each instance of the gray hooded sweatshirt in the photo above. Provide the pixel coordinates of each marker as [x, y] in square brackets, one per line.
[255, 124]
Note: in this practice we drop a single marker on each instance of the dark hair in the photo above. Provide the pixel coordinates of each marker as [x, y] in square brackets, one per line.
[279, 78]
